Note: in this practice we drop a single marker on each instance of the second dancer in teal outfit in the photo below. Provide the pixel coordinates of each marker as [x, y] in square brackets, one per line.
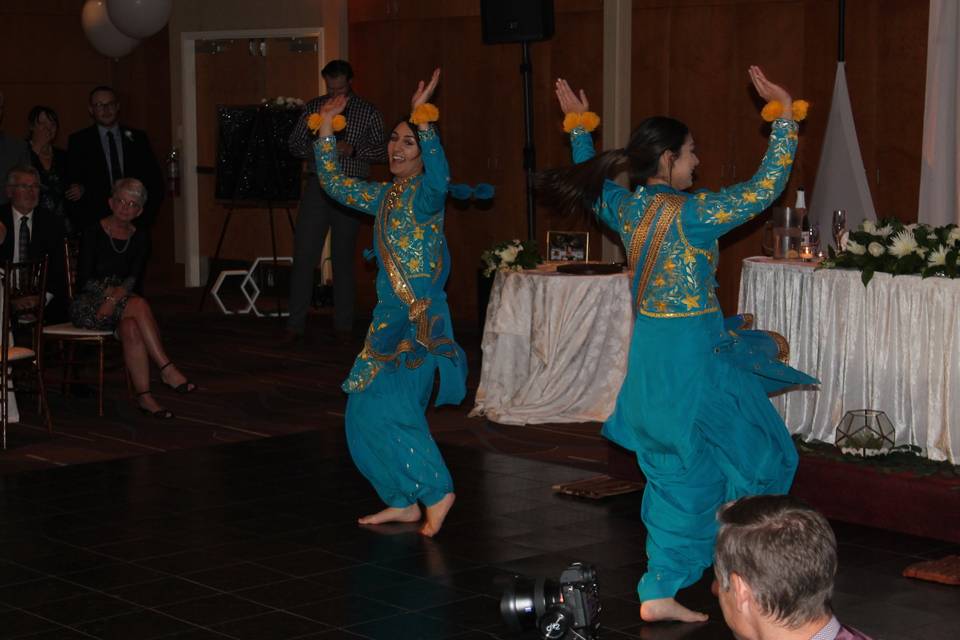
[410, 337]
[693, 405]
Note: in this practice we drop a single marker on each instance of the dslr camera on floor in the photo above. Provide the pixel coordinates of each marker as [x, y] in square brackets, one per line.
[568, 609]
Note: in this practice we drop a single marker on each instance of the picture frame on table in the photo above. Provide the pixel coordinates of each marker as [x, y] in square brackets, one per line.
[568, 246]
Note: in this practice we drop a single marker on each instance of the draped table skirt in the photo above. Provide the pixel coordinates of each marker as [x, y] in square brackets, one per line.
[893, 346]
[554, 347]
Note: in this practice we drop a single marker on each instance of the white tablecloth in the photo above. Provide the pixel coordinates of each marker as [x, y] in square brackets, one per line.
[554, 347]
[893, 345]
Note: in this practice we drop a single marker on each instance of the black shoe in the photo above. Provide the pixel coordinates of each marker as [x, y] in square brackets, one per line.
[159, 414]
[184, 387]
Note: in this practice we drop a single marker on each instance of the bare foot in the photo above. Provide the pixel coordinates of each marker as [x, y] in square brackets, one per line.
[393, 514]
[668, 609]
[436, 514]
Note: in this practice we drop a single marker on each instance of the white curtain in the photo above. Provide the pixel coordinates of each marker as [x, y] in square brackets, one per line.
[841, 181]
[939, 177]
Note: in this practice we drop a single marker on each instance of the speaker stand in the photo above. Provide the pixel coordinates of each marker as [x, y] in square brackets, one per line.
[529, 152]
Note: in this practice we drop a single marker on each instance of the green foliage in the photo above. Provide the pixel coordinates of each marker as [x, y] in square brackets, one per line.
[889, 246]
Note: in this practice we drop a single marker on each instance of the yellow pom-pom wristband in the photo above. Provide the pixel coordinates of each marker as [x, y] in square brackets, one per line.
[315, 121]
[774, 109]
[588, 120]
[800, 108]
[424, 113]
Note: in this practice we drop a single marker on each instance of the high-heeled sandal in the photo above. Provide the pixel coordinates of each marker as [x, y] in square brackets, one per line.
[159, 414]
[184, 387]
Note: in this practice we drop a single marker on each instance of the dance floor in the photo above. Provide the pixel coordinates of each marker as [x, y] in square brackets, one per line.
[205, 527]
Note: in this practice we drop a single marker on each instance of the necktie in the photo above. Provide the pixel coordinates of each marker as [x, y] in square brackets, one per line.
[24, 253]
[115, 171]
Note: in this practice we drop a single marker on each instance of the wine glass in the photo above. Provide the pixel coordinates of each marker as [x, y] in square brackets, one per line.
[839, 227]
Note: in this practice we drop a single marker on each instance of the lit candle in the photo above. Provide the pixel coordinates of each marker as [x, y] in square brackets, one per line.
[806, 251]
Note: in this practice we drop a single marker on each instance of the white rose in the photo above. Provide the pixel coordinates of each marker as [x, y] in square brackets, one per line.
[876, 249]
[954, 235]
[868, 226]
[884, 231]
[509, 254]
[855, 248]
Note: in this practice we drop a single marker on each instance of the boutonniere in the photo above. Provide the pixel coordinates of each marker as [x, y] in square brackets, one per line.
[128, 135]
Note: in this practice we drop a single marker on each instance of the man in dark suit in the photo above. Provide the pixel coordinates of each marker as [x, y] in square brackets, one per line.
[28, 232]
[103, 153]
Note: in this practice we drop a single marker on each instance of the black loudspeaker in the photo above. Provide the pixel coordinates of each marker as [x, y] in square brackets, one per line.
[516, 20]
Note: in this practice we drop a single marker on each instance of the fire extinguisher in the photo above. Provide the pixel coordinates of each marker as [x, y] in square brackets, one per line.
[173, 173]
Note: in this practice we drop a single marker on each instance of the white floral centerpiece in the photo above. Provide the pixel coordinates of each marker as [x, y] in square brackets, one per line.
[889, 246]
[283, 102]
[512, 255]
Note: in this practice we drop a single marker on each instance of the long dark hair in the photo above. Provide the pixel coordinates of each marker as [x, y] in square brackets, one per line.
[575, 189]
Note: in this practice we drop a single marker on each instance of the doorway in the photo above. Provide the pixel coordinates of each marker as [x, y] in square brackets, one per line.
[236, 68]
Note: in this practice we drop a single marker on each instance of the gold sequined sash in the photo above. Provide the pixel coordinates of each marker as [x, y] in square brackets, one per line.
[399, 282]
[668, 206]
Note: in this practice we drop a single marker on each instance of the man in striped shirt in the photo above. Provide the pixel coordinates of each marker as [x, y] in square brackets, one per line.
[361, 143]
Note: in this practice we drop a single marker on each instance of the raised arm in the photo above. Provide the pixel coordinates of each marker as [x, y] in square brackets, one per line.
[362, 195]
[607, 206]
[436, 172]
[720, 212]
[572, 103]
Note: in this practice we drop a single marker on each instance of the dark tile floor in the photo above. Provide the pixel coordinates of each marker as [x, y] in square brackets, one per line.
[256, 540]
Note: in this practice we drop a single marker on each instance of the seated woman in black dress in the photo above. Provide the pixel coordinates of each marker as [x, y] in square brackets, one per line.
[113, 253]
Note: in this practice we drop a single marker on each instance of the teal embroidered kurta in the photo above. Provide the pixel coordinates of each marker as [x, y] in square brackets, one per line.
[410, 336]
[693, 405]
[411, 319]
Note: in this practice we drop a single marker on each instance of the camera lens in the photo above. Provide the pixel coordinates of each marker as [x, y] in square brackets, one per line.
[525, 600]
[517, 606]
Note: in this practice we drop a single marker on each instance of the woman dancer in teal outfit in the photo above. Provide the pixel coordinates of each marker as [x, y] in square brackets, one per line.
[410, 336]
[693, 405]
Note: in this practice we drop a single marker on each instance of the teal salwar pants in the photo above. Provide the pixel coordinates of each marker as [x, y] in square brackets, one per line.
[389, 438]
[704, 432]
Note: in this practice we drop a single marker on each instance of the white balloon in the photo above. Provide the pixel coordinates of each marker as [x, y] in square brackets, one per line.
[101, 33]
[139, 18]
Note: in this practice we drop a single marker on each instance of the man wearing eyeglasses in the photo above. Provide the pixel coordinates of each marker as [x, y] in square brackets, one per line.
[28, 232]
[103, 153]
[13, 151]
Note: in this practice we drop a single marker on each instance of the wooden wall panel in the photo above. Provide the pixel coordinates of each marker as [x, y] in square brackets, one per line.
[901, 85]
[795, 41]
[688, 60]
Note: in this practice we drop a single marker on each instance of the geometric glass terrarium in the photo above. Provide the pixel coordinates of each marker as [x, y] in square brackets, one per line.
[865, 429]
